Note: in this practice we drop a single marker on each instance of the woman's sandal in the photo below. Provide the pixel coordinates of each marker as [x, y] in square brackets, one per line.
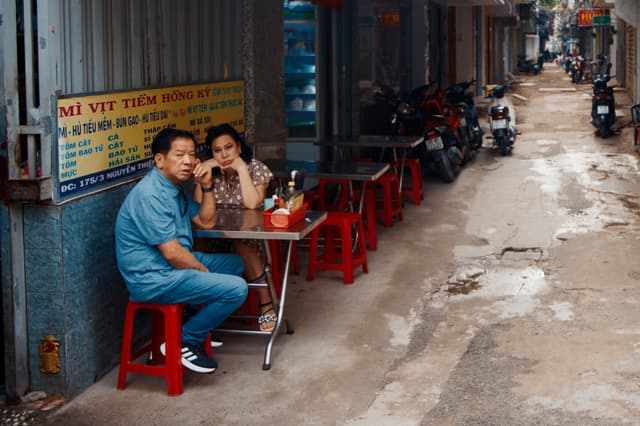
[266, 318]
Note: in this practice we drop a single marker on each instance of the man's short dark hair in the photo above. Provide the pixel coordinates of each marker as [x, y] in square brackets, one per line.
[162, 141]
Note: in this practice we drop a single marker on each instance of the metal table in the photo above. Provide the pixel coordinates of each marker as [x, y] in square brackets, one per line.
[374, 141]
[233, 223]
[361, 172]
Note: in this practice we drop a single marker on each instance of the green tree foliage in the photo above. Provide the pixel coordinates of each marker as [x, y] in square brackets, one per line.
[548, 4]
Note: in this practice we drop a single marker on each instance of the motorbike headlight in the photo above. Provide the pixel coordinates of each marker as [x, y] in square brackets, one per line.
[403, 108]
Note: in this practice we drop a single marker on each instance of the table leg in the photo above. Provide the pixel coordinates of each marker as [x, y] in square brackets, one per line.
[354, 230]
[283, 293]
[404, 156]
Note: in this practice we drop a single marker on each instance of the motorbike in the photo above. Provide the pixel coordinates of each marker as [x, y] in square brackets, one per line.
[567, 62]
[421, 112]
[446, 118]
[459, 96]
[577, 69]
[603, 105]
[502, 119]
[528, 66]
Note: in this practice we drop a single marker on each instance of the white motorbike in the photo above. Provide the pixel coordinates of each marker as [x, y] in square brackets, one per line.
[502, 119]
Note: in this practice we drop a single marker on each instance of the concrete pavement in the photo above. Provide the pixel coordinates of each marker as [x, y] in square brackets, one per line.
[509, 297]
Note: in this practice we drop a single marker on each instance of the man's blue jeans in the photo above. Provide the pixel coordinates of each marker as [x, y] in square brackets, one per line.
[220, 292]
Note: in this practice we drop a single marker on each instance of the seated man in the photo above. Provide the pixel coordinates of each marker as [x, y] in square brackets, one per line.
[154, 245]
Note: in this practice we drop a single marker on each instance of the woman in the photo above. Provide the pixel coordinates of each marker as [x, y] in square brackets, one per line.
[241, 182]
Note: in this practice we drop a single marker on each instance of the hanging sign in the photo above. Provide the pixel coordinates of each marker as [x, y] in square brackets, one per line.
[104, 140]
[602, 21]
[585, 16]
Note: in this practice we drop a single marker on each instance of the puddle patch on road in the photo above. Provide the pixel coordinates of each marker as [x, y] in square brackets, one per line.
[547, 141]
[497, 282]
[590, 173]
[562, 311]
[514, 289]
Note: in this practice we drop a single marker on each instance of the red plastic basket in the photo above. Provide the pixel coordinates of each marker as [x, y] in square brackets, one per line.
[278, 220]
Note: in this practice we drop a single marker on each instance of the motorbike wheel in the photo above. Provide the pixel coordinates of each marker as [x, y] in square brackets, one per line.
[477, 140]
[466, 147]
[603, 130]
[445, 169]
[502, 145]
[468, 154]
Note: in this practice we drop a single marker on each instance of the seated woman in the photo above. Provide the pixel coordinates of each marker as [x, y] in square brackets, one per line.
[242, 182]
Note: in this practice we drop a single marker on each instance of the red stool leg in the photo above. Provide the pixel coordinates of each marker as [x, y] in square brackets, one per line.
[370, 217]
[347, 256]
[361, 248]
[387, 204]
[396, 200]
[313, 253]
[173, 346]
[125, 351]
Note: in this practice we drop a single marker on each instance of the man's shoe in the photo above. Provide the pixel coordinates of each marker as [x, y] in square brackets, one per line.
[194, 359]
[215, 343]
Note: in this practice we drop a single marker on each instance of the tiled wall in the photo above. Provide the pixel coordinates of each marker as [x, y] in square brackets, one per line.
[74, 290]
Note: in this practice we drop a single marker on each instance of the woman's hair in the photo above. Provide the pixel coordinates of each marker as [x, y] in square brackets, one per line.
[226, 129]
[165, 137]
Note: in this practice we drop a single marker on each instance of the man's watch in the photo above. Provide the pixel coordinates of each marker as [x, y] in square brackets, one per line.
[210, 189]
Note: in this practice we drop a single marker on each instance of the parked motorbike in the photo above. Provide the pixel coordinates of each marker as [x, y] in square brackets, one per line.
[502, 119]
[567, 62]
[458, 95]
[528, 66]
[421, 112]
[603, 105]
[577, 69]
[402, 115]
[435, 107]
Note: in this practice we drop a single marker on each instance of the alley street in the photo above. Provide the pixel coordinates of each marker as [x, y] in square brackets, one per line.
[509, 297]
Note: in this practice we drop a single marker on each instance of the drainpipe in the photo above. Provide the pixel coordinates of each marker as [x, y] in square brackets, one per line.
[19, 302]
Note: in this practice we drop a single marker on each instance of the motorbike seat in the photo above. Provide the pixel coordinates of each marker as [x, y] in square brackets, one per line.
[495, 108]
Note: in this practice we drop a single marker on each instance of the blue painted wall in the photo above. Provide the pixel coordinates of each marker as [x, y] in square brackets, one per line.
[74, 289]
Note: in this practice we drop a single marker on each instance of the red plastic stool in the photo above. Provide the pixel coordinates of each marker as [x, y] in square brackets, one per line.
[343, 199]
[391, 203]
[312, 197]
[370, 219]
[369, 216]
[415, 190]
[166, 327]
[337, 226]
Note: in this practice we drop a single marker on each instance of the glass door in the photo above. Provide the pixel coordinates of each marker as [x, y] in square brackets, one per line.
[300, 70]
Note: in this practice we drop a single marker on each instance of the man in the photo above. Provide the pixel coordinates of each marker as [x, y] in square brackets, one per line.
[154, 245]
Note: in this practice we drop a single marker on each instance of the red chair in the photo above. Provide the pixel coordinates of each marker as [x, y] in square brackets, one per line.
[415, 190]
[166, 327]
[337, 227]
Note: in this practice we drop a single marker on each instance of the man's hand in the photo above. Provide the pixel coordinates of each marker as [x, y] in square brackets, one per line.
[179, 257]
[202, 174]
